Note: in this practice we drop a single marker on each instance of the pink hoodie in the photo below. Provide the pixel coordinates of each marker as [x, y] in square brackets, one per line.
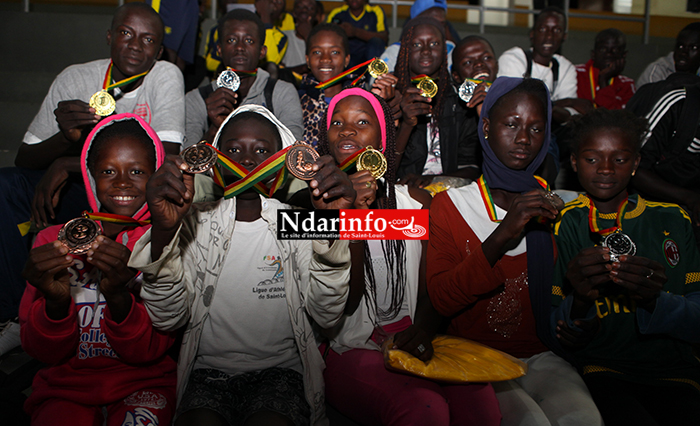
[92, 359]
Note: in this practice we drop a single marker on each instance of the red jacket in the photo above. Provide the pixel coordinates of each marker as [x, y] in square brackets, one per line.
[614, 96]
[490, 305]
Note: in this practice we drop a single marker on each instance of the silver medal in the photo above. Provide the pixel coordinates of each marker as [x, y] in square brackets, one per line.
[229, 79]
[466, 90]
[619, 244]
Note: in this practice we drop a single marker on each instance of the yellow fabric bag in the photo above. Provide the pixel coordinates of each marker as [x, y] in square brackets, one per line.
[456, 360]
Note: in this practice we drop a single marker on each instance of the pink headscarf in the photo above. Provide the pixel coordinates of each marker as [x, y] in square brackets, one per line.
[356, 91]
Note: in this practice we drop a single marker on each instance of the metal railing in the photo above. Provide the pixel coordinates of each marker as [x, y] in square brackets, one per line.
[482, 10]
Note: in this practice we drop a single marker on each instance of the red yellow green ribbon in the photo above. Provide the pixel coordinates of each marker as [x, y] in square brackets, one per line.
[477, 82]
[107, 85]
[244, 73]
[351, 160]
[594, 85]
[418, 78]
[333, 80]
[488, 199]
[593, 218]
[254, 178]
[115, 218]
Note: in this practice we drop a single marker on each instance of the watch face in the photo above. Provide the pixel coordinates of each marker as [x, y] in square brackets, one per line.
[619, 244]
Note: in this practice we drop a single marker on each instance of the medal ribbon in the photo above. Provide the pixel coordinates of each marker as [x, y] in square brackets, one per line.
[477, 82]
[594, 84]
[488, 199]
[333, 80]
[593, 218]
[351, 160]
[108, 85]
[418, 78]
[253, 179]
[115, 218]
[243, 73]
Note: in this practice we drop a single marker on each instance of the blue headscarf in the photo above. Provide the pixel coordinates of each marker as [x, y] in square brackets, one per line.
[495, 173]
[540, 250]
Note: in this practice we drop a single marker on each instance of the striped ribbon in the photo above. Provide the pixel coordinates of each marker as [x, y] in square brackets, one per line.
[244, 73]
[418, 78]
[107, 85]
[351, 160]
[254, 178]
[333, 80]
[593, 218]
[488, 199]
[115, 218]
[594, 85]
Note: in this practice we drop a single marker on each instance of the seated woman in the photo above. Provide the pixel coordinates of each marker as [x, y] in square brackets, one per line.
[387, 295]
[490, 264]
[630, 272]
[81, 312]
[435, 136]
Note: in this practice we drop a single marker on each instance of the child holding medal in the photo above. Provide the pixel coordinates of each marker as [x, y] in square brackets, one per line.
[246, 299]
[628, 272]
[327, 56]
[81, 312]
[490, 259]
[435, 137]
[387, 293]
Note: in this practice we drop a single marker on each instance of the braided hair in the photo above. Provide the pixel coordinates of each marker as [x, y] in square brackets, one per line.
[403, 66]
[394, 250]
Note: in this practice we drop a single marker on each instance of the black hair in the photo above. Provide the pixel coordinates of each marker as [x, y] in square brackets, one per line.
[332, 28]
[532, 86]
[258, 118]
[468, 40]
[394, 250]
[243, 15]
[403, 67]
[118, 130]
[610, 33]
[581, 126]
[548, 11]
[128, 7]
[693, 27]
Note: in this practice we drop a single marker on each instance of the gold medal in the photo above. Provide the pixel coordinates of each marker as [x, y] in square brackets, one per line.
[103, 103]
[199, 157]
[377, 67]
[78, 234]
[300, 160]
[428, 87]
[372, 161]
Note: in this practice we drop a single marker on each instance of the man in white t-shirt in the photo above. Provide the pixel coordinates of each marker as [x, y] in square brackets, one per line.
[46, 185]
[542, 62]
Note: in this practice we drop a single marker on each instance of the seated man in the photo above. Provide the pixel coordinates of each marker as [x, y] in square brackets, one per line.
[48, 166]
[542, 62]
[365, 26]
[683, 59]
[670, 166]
[600, 80]
[241, 46]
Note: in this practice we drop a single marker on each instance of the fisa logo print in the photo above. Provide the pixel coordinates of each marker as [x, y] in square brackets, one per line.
[376, 224]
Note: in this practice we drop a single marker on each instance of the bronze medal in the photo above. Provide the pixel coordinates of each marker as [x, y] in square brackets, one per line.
[199, 157]
[229, 79]
[619, 244]
[372, 161]
[428, 87]
[377, 67]
[78, 234]
[103, 103]
[300, 159]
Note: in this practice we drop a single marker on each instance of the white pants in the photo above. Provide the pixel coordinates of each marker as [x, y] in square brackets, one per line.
[551, 393]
